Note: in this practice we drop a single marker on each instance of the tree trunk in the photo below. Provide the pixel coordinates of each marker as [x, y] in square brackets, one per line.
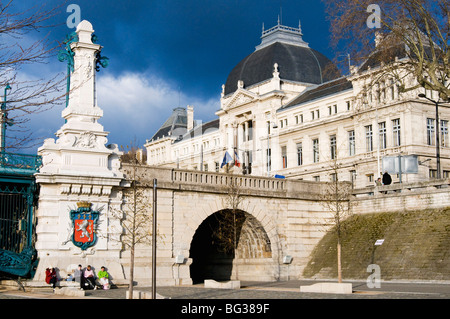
[339, 261]
[130, 284]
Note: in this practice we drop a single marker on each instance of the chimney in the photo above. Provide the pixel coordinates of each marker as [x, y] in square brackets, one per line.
[190, 117]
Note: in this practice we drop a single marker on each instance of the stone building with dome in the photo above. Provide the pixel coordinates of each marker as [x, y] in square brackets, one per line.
[287, 111]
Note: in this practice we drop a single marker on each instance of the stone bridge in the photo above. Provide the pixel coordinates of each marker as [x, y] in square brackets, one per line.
[282, 220]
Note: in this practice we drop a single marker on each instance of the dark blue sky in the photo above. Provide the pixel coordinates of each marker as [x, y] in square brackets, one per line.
[164, 54]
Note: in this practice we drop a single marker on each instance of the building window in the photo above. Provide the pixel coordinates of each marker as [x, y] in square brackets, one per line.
[269, 127]
[349, 105]
[430, 132]
[217, 166]
[392, 90]
[299, 119]
[316, 150]
[299, 154]
[333, 147]
[332, 109]
[444, 133]
[247, 130]
[284, 156]
[433, 173]
[333, 177]
[351, 143]
[369, 138]
[353, 177]
[396, 132]
[316, 178]
[312, 115]
[382, 135]
[248, 162]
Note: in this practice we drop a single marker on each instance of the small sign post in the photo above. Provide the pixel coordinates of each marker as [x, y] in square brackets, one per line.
[379, 242]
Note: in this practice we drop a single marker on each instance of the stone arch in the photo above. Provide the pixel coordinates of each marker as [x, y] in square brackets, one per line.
[215, 258]
[205, 207]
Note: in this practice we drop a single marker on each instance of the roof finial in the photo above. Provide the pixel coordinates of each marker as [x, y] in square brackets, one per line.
[263, 27]
[299, 25]
[278, 19]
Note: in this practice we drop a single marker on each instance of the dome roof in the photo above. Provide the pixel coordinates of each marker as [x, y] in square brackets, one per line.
[296, 61]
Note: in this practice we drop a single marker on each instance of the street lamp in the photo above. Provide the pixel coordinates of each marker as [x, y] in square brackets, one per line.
[269, 155]
[438, 155]
[4, 119]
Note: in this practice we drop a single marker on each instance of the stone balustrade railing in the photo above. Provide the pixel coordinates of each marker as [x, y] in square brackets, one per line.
[401, 188]
[218, 179]
[219, 182]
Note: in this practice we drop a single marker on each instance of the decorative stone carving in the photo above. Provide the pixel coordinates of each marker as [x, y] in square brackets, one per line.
[86, 140]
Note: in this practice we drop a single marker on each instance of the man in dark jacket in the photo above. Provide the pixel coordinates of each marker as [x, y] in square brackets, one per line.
[387, 180]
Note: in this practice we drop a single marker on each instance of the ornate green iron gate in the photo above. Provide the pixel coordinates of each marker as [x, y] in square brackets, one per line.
[18, 196]
[15, 212]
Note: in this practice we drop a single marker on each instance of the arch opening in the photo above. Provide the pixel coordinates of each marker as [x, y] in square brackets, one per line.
[221, 240]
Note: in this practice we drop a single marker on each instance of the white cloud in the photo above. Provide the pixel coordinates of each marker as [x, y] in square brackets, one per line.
[135, 105]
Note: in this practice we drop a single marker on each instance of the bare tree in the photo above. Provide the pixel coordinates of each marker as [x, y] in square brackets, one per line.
[26, 96]
[230, 220]
[412, 40]
[335, 199]
[136, 212]
[226, 234]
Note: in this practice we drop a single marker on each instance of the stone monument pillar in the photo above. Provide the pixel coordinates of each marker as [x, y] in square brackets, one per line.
[77, 220]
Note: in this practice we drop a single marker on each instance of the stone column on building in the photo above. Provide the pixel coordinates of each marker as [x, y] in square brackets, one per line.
[78, 168]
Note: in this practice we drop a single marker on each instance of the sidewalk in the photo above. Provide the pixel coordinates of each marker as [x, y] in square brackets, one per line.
[257, 290]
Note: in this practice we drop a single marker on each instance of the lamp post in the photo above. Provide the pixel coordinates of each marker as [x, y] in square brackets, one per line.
[438, 146]
[4, 119]
[155, 200]
[269, 155]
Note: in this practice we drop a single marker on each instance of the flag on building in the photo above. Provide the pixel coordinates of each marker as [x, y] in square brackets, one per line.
[236, 160]
[226, 159]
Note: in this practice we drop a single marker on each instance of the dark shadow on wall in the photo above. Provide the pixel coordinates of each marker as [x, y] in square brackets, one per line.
[212, 247]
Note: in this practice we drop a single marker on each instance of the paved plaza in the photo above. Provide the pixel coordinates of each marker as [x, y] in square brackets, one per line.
[257, 290]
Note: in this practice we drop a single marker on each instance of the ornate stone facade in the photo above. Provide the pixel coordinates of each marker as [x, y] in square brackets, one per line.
[279, 122]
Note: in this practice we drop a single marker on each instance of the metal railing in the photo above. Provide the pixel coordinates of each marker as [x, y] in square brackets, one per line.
[20, 163]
